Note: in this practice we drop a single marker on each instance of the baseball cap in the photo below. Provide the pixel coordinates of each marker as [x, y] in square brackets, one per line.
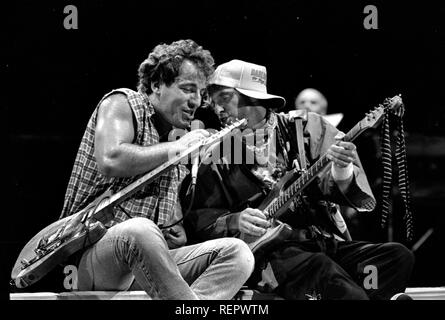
[248, 78]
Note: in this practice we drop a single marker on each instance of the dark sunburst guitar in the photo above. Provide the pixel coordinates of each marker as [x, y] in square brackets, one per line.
[292, 184]
[55, 243]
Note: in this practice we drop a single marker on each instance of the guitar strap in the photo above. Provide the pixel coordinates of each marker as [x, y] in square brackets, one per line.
[300, 142]
[303, 166]
[403, 183]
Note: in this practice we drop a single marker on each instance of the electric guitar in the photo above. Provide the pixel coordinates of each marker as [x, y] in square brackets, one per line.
[291, 185]
[55, 243]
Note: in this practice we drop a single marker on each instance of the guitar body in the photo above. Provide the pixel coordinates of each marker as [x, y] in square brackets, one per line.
[56, 242]
[278, 190]
[274, 236]
[33, 262]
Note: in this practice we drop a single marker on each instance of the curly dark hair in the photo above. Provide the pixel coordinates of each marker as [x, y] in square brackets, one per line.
[163, 63]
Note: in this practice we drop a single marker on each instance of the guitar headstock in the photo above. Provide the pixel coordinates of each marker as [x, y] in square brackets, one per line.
[395, 105]
[374, 117]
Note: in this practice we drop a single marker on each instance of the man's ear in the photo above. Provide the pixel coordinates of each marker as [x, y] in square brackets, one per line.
[155, 87]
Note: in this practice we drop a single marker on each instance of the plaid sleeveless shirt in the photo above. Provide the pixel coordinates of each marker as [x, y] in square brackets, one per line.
[156, 201]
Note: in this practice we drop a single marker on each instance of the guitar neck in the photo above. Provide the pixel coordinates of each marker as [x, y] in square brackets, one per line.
[307, 176]
[141, 182]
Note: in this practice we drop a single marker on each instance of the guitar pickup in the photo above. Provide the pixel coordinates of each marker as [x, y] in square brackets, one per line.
[24, 263]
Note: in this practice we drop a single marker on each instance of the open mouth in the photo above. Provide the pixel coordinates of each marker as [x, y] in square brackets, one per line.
[188, 114]
[224, 118]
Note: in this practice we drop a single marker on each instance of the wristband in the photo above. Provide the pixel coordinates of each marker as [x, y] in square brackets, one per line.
[341, 174]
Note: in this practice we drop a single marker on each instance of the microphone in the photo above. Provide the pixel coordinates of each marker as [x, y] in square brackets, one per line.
[194, 171]
[195, 124]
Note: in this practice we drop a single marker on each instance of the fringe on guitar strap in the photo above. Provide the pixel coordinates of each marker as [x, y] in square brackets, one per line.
[403, 182]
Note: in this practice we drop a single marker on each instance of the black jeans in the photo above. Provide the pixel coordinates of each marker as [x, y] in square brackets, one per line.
[351, 270]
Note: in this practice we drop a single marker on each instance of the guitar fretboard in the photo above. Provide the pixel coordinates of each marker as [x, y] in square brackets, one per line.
[307, 176]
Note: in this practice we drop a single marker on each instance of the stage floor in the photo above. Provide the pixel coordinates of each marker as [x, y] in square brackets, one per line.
[421, 293]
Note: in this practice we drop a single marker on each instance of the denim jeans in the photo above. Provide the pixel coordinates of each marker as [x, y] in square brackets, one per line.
[136, 250]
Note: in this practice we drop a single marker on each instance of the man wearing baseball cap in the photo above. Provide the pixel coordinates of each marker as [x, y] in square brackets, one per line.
[248, 81]
[319, 259]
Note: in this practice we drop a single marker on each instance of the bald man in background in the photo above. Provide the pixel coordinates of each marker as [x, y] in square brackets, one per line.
[311, 99]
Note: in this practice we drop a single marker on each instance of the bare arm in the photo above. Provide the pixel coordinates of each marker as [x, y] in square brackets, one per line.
[115, 153]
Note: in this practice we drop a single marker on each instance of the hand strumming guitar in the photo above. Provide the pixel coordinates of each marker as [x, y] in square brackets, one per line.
[252, 222]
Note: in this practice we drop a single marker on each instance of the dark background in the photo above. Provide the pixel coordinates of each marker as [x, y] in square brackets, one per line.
[55, 77]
